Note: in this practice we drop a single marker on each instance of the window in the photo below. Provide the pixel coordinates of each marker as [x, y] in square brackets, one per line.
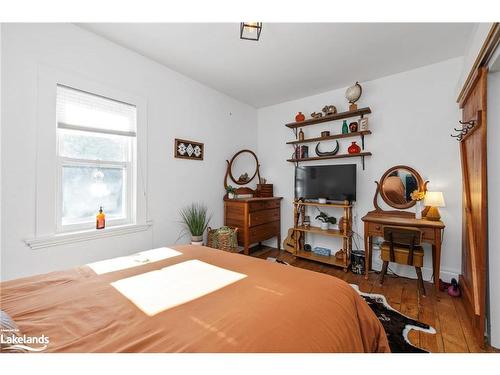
[96, 148]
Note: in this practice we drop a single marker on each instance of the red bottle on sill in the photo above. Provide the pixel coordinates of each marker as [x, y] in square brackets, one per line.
[100, 220]
[354, 148]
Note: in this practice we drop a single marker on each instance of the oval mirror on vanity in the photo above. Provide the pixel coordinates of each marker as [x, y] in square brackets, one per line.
[396, 185]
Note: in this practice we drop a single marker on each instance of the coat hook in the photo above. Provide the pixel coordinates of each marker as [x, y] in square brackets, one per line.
[469, 123]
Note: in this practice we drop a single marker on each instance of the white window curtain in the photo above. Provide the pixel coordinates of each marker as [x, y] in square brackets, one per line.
[80, 110]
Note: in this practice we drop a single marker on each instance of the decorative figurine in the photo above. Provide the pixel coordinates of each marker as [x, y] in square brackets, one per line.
[243, 178]
[353, 94]
[316, 115]
[329, 110]
[353, 127]
[327, 153]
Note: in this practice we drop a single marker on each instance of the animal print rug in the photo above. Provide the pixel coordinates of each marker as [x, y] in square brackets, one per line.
[396, 325]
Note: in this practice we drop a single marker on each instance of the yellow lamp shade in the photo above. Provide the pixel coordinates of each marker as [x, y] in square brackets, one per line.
[434, 199]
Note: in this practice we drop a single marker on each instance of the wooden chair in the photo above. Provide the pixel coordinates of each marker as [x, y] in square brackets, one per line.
[402, 245]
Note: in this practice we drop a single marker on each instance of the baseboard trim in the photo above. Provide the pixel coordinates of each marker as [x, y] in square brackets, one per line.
[409, 272]
[402, 270]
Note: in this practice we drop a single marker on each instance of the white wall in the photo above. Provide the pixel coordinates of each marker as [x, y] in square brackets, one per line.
[413, 113]
[1, 148]
[472, 48]
[177, 107]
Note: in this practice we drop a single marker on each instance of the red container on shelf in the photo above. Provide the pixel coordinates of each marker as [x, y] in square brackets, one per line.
[300, 117]
[354, 148]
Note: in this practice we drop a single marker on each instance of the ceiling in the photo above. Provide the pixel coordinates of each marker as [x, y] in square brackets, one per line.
[291, 60]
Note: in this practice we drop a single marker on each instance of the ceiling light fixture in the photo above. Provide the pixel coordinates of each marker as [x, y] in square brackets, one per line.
[250, 30]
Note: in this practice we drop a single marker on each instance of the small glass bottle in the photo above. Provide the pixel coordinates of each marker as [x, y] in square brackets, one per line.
[100, 219]
[301, 135]
[345, 128]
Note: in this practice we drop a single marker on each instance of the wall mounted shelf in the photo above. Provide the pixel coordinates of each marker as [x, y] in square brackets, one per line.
[360, 134]
[338, 116]
[330, 137]
[341, 156]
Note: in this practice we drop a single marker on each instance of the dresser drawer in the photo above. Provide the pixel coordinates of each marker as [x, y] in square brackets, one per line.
[264, 231]
[427, 234]
[263, 216]
[263, 205]
[376, 229]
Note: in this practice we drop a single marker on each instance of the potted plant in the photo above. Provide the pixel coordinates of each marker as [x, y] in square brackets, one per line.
[231, 191]
[325, 220]
[195, 219]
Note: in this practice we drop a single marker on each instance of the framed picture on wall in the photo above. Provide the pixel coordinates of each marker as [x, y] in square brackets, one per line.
[184, 149]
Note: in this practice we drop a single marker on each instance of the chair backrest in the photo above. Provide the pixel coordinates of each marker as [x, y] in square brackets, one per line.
[407, 236]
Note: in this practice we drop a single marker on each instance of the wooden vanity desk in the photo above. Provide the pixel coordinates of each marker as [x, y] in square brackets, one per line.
[395, 188]
[432, 231]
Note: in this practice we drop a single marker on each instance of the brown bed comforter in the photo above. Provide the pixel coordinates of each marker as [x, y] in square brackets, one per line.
[274, 309]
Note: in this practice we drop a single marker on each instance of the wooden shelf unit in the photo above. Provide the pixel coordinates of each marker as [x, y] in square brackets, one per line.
[328, 204]
[338, 116]
[330, 137]
[320, 258]
[345, 233]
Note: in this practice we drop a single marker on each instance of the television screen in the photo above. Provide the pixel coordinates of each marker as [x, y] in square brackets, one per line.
[333, 182]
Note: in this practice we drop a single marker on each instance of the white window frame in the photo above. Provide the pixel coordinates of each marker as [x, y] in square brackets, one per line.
[130, 189]
[47, 233]
[129, 167]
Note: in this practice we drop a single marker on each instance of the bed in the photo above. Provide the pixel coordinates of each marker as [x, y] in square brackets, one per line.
[192, 299]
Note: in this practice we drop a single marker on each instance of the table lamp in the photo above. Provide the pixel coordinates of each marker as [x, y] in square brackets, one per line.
[433, 199]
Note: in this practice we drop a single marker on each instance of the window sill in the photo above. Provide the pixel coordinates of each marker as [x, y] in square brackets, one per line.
[68, 238]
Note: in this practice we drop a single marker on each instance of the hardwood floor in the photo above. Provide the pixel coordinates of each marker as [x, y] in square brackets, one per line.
[446, 314]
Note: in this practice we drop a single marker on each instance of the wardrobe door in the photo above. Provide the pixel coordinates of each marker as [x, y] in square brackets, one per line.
[474, 216]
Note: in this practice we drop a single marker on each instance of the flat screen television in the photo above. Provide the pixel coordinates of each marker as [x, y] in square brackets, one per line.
[333, 182]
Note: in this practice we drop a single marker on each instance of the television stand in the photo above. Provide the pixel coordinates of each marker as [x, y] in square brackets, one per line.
[345, 233]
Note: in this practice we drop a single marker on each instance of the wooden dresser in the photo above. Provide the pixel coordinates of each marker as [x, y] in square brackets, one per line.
[258, 219]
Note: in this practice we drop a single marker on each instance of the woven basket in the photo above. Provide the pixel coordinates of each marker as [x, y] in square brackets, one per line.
[224, 238]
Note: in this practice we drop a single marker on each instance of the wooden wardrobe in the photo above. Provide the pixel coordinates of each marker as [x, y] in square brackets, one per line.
[473, 153]
[474, 204]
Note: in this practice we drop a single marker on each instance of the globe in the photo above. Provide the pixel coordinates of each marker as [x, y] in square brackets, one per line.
[353, 93]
